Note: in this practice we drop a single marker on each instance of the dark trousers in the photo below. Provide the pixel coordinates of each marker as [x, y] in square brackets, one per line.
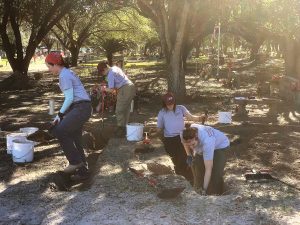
[175, 149]
[69, 132]
[216, 184]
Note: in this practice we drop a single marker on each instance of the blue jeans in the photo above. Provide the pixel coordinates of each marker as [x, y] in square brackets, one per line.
[69, 132]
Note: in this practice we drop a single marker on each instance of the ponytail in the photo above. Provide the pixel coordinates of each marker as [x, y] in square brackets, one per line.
[189, 132]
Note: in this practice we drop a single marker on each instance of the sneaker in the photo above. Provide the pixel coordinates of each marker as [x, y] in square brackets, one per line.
[72, 168]
[81, 174]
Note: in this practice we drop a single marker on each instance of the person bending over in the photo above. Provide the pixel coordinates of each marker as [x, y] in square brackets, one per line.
[205, 149]
[117, 80]
[170, 120]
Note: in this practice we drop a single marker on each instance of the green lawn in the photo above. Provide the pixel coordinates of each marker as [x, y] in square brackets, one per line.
[3, 62]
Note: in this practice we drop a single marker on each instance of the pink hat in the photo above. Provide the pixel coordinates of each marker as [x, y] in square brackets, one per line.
[54, 58]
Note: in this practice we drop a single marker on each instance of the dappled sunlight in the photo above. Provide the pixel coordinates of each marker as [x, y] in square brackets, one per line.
[282, 120]
[294, 134]
[109, 169]
[258, 110]
[294, 118]
[13, 96]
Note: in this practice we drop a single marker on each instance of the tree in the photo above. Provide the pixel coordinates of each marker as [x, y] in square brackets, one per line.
[275, 20]
[79, 24]
[180, 24]
[49, 41]
[38, 17]
[122, 29]
[113, 45]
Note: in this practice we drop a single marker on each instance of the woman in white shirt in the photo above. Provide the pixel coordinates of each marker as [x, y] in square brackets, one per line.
[205, 148]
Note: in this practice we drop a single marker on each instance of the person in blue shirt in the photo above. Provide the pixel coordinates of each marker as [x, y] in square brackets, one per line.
[170, 120]
[205, 149]
[118, 81]
[73, 114]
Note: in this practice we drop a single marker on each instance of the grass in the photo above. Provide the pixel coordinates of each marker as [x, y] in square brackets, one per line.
[131, 64]
[3, 62]
[143, 64]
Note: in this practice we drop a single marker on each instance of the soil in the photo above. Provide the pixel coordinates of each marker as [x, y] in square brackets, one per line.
[267, 138]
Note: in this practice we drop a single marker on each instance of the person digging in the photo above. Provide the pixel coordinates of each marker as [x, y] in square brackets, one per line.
[170, 122]
[205, 148]
[73, 114]
[118, 80]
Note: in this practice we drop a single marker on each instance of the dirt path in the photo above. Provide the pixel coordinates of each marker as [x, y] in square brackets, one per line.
[118, 197]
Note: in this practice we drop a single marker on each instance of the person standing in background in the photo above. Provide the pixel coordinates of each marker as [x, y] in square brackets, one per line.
[117, 80]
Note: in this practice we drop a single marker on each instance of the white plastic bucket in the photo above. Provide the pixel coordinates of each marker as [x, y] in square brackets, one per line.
[29, 130]
[22, 151]
[224, 117]
[13, 136]
[134, 131]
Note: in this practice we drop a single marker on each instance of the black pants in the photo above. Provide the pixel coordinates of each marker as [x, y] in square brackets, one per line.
[216, 184]
[69, 132]
[175, 150]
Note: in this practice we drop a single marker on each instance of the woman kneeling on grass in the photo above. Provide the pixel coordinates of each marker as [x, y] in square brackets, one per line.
[205, 148]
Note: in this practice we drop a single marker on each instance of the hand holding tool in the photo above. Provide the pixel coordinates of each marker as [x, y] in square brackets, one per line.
[189, 160]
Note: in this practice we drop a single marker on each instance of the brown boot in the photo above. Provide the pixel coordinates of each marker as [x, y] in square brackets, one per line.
[72, 168]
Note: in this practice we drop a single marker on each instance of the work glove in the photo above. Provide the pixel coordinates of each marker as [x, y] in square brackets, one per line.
[58, 118]
[189, 160]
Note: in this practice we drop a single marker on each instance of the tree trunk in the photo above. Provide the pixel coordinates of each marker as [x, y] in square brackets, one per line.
[49, 47]
[198, 45]
[254, 51]
[109, 56]
[291, 55]
[176, 77]
[74, 56]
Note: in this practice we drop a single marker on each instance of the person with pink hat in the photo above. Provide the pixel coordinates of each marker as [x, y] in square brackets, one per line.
[170, 120]
[73, 114]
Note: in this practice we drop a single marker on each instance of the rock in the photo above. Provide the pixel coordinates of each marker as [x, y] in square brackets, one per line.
[159, 169]
[170, 192]
[144, 148]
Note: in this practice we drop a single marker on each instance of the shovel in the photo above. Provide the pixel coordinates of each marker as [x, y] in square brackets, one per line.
[264, 175]
[164, 193]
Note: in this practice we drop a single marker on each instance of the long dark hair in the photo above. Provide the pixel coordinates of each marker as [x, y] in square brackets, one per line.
[189, 132]
[164, 106]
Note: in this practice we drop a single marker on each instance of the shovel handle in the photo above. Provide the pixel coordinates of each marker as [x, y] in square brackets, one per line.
[152, 182]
